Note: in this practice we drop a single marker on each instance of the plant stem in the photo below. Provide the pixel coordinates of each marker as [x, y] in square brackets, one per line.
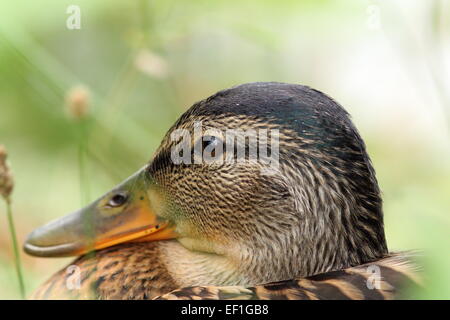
[84, 181]
[15, 248]
[88, 222]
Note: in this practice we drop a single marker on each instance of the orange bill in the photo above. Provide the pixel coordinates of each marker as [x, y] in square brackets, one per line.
[124, 214]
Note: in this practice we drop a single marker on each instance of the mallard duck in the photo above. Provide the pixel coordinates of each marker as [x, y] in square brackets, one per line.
[219, 224]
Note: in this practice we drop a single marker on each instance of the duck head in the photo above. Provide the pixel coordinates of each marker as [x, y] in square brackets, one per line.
[219, 203]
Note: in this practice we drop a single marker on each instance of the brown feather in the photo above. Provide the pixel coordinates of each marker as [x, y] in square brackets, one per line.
[398, 275]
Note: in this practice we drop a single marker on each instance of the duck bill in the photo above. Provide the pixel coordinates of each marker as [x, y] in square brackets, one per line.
[125, 214]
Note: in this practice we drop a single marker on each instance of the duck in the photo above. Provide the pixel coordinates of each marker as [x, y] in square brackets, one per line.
[261, 191]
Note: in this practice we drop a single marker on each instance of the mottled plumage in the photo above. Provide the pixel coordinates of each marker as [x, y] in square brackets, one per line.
[125, 271]
[317, 217]
[132, 271]
[398, 275]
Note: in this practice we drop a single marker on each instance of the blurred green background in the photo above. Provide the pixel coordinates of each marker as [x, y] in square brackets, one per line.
[144, 62]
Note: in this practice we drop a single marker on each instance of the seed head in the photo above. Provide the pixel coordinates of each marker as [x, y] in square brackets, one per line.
[77, 101]
[6, 178]
[151, 64]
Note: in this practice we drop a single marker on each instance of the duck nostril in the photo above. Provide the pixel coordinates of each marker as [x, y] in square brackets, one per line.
[117, 200]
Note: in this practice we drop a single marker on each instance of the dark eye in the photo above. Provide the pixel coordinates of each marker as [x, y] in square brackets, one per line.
[117, 200]
[211, 144]
[210, 141]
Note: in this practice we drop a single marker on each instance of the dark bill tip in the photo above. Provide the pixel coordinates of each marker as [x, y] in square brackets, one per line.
[61, 250]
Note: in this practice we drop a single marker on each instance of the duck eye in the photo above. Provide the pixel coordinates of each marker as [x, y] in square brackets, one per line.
[209, 141]
[209, 144]
[117, 200]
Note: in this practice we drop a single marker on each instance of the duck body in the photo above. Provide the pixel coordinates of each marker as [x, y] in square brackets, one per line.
[221, 222]
[134, 272]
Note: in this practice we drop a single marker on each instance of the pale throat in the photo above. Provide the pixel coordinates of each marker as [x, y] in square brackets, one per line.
[196, 268]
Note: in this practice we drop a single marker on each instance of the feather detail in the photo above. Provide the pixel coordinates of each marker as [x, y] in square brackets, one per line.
[397, 274]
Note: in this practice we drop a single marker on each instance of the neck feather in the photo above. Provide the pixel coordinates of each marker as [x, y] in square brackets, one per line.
[192, 268]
